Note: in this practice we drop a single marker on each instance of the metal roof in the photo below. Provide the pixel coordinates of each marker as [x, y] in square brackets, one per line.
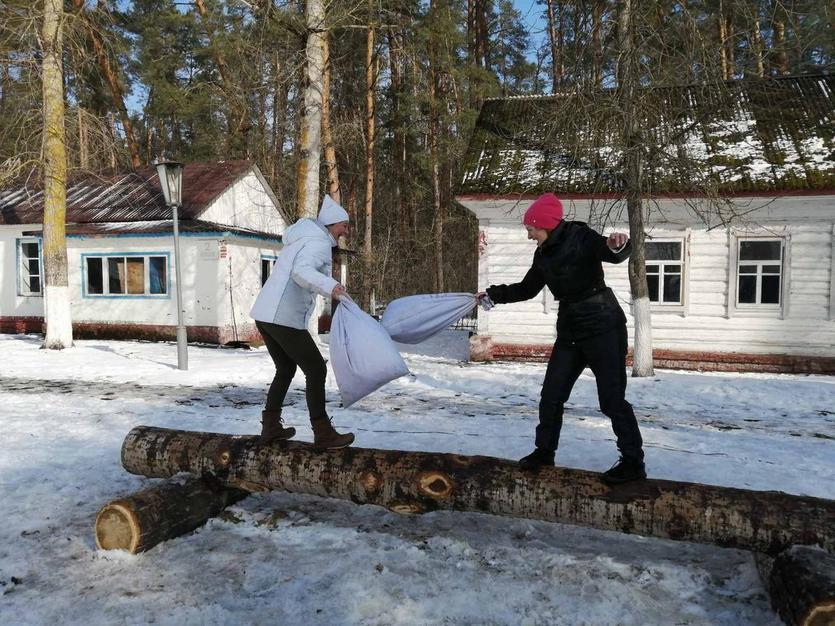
[123, 197]
[165, 227]
[753, 135]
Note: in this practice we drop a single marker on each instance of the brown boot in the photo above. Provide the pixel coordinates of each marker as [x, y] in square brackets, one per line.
[272, 429]
[325, 436]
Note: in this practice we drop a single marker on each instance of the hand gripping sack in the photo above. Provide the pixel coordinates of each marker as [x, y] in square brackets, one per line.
[416, 318]
[363, 356]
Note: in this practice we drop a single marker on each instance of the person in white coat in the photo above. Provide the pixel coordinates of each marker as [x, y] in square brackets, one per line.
[282, 311]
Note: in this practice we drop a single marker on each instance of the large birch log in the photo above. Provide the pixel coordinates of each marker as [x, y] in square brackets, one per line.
[802, 586]
[418, 482]
[140, 521]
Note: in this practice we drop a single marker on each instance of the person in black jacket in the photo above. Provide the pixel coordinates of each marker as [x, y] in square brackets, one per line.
[591, 330]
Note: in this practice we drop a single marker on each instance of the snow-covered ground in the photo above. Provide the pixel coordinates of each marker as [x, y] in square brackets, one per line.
[290, 559]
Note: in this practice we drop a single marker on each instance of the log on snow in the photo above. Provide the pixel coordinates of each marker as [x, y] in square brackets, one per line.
[802, 586]
[417, 482]
[140, 521]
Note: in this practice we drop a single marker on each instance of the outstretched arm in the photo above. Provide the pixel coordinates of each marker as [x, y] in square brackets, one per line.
[612, 249]
[530, 285]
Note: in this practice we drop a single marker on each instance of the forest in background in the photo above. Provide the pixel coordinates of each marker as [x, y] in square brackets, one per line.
[403, 84]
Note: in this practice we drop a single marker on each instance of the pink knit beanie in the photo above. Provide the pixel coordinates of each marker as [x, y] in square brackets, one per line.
[545, 212]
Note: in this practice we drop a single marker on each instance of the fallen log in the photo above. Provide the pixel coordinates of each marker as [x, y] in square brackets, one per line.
[418, 482]
[140, 521]
[801, 584]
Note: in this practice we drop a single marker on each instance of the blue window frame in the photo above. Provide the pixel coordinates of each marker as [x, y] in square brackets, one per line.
[29, 266]
[126, 275]
[267, 264]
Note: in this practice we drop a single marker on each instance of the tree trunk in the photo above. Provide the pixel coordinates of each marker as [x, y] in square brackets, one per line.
[116, 92]
[307, 181]
[758, 49]
[802, 586]
[627, 74]
[781, 58]
[83, 152]
[327, 135]
[140, 521]
[723, 48]
[556, 77]
[370, 138]
[597, 44]
[420, 482]
[435, 158]
[399, 135]
[56, 286]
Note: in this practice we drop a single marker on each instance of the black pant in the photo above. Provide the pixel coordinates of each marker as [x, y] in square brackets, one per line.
[605, 355]
[289, 348]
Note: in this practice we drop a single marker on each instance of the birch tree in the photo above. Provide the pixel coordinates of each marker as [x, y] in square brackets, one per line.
[310, 146]
[56, 286]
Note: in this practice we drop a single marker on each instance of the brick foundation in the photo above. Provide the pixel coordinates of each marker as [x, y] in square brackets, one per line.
[483, 349]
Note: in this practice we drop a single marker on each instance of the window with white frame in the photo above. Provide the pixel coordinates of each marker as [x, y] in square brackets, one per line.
[128, 275]
[267, 264]
[29, 267]
[759, 272]
[665, 269]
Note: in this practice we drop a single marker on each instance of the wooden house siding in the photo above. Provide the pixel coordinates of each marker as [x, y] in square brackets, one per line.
[709, 320]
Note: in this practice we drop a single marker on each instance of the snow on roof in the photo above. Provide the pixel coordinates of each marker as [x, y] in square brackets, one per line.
[750, 135]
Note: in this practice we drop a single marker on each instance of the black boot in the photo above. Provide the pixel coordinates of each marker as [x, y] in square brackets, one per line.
[624, 471]
[540, 457]
[272, 429]
[325, 436]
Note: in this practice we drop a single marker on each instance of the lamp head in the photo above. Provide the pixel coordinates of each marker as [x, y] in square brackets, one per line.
[171, 180]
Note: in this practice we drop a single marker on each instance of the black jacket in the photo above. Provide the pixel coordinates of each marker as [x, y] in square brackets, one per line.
[569, 263]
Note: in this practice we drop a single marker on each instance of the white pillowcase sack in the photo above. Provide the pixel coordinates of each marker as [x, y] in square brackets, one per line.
[417, 318]
[363, 356]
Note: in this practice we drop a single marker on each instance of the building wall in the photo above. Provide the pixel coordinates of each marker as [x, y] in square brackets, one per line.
[246, 204]
[19, 311]
[709, 320]
[207, 300]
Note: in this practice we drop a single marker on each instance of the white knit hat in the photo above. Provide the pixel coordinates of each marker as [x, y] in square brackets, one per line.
[331, 212]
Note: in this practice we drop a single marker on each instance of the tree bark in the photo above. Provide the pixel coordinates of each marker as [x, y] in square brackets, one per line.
[327, 134]
[556, 77]
[597, 44]
[780, 55]
[307, 180]
[723, 48]
[138, 522]
[757, 39]
[628, 79]
[420, 482]
[802, 586]
[56, 285]
[370, 140]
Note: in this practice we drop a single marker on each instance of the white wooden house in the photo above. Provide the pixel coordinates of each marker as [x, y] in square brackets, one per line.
[742, 278]
[120, 251]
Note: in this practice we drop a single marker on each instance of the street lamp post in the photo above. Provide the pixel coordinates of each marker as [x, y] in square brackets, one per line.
[171, 180]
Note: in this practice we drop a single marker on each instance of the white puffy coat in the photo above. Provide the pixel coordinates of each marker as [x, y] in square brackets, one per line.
[303, 268]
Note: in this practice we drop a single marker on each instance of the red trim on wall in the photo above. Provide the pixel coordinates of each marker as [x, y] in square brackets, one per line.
[484, 350]
[149, 332]
[20, 325]
[617, 196]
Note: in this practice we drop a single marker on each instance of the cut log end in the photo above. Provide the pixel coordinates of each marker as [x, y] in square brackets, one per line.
[802, 586]
[117, 528]
[821, 616]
